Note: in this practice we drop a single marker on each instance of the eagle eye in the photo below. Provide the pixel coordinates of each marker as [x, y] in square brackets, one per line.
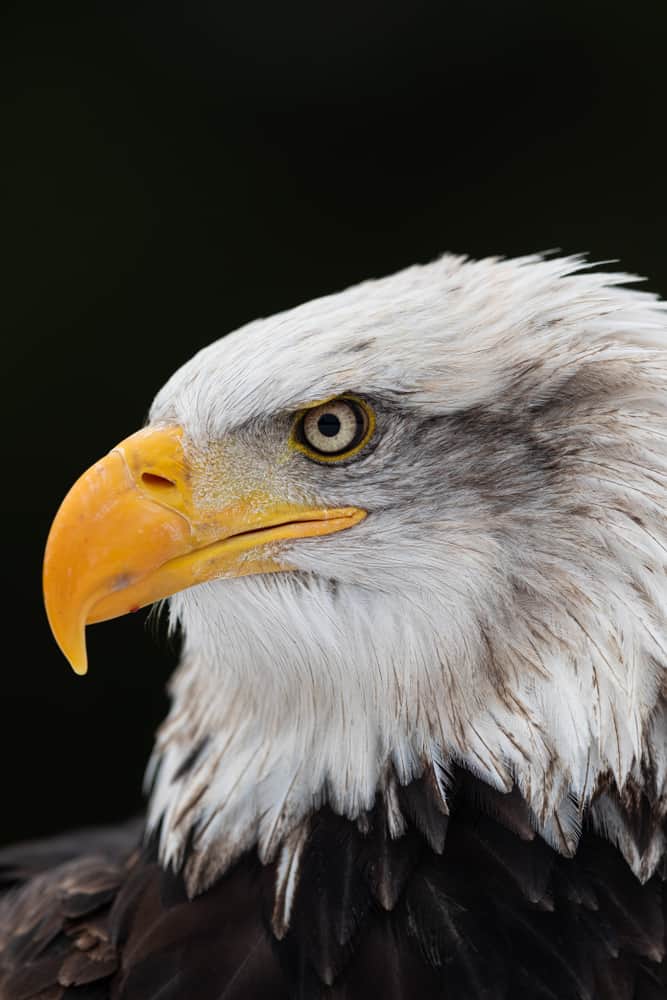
[333, 430]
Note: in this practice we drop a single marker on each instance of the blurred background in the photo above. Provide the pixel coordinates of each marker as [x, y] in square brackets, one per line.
[170, 171]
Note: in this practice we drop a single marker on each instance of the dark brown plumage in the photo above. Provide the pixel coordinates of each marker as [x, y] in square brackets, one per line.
[498, 914]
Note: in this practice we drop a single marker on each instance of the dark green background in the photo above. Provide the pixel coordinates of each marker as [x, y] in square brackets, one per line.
[171, 171]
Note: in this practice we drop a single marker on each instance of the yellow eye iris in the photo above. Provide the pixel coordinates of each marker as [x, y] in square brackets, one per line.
[334, 430]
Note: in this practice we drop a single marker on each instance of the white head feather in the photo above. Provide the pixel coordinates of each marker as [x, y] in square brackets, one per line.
[501, 607]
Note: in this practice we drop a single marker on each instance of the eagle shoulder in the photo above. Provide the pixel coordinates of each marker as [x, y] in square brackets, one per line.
[467, 904]
[54, 908]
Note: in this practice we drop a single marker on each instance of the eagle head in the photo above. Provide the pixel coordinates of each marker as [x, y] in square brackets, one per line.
[413, 526]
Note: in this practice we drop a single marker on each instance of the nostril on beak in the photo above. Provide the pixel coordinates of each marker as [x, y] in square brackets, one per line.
[158, 483]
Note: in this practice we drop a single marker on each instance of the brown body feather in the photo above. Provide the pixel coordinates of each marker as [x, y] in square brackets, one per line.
[497, 914]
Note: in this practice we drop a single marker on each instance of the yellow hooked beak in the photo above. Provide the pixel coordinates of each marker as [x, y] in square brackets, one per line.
[129, 533]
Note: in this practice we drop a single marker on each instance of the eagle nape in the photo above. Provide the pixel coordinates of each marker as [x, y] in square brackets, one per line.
[414, 534]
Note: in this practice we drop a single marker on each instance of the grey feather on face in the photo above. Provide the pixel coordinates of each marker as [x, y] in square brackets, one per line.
[501, 607]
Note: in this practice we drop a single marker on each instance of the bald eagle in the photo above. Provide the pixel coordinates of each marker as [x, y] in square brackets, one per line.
[415, 536]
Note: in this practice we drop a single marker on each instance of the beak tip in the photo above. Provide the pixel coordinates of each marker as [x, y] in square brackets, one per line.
[71, 640]
[80, 667]
[76, 654]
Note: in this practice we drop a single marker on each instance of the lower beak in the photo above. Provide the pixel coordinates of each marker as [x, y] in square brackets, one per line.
[130, 533]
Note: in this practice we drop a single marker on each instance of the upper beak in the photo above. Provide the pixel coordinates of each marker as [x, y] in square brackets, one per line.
[129, 532]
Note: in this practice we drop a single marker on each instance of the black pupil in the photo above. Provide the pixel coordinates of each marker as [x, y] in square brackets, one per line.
[328, 425]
